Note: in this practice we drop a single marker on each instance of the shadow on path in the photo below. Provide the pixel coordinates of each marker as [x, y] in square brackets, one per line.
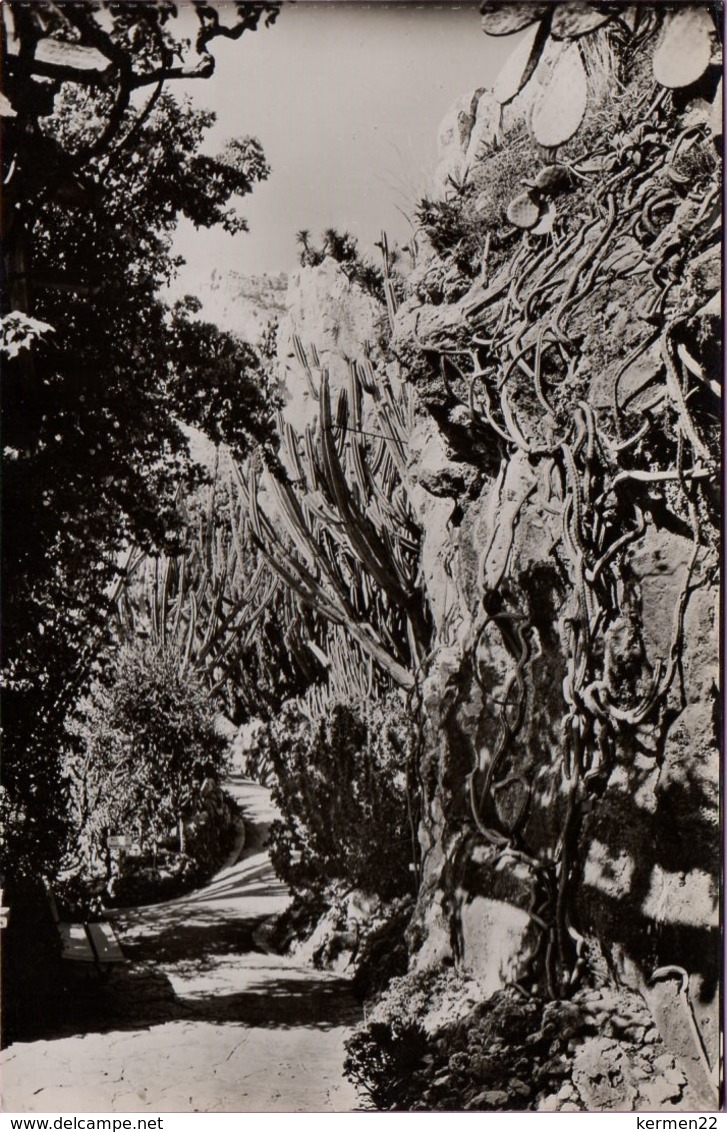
[195, 958]
[143, 997]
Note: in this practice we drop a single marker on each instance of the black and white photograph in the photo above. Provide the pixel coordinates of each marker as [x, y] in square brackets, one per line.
[361, 557]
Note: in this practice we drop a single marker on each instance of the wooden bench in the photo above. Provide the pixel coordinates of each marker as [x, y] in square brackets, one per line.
[92, 944]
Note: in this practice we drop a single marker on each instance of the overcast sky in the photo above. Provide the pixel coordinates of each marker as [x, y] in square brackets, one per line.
[346, 99]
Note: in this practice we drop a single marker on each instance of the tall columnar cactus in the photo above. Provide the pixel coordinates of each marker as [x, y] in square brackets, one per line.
[209, 602]
[341, 535]
[389, 293]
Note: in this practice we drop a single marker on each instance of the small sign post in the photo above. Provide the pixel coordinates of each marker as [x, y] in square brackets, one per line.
[119, 842]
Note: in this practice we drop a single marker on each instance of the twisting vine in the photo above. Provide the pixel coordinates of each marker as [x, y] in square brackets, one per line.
[519, 366]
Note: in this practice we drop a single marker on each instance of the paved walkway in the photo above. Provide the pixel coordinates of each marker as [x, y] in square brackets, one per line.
[201, 1019]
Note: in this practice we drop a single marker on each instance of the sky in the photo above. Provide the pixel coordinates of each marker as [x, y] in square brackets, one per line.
[346, 99]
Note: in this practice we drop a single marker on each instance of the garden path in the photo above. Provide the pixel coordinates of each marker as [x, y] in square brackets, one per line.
[201, 1019]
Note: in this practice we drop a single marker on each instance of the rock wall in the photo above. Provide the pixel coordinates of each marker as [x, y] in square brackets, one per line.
[335, 321]
[571, 508]
[563, 466]
[243, 304]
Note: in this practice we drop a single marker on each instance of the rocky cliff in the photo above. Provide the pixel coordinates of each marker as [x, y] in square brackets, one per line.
[571, 765]
[334, 321]
[244, 304]
[560, 346]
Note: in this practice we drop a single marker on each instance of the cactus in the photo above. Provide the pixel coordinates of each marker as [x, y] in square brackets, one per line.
[389, 293]
[520, 64]
[685, 48]
[572, 19]
[506, 19]
[523, 211]
[204, 602]
[339, 551]
[561, 108]
[302, 359]
[320, 584]
[343, 538]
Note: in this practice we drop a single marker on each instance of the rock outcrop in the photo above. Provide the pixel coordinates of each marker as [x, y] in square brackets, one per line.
[562, 467]
[571, 703]
[332, 318]
[244, 304]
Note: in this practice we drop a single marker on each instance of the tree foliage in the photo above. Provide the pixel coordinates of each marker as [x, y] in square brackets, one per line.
[143, 750]
[98, 382]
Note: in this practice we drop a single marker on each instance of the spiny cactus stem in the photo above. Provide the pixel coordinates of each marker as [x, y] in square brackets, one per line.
[362, 432]
[676, 394]
[363, 537]
[242, 605]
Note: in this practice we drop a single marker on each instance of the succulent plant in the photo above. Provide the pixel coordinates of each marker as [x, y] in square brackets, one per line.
[547, 220]
[341, 535]
[524, 210]
[303, 362]
[521, 63]
[552, 179]
[205, 602]
[506, 19]
[572, 19]
[684, 50]
[561, 107]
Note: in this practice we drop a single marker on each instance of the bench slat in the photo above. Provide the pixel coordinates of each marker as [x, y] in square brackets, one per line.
[104, 943]
[74, 943]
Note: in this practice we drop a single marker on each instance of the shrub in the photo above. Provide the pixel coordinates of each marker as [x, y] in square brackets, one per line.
[343, 248]
[387, 1052]
[382, 953]
[144, 759]
[341, 786]
[430, 1045]
[383, 1061]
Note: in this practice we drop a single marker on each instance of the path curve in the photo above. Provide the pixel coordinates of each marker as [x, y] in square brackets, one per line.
[201, 1019]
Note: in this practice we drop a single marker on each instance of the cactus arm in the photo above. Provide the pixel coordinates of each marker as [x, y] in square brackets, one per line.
[180, 597]
[191, 628]
[355, 394]
[362, 535]
[241, 605]
[302, 359]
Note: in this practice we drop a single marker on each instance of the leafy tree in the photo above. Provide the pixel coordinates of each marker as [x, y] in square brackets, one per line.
[143, 749]
[97, 382]
[124, 48]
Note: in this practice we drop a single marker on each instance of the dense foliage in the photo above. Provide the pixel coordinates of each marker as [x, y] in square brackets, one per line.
[143, 754]
[431, 1044]
[341, 787]
[97, 382]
